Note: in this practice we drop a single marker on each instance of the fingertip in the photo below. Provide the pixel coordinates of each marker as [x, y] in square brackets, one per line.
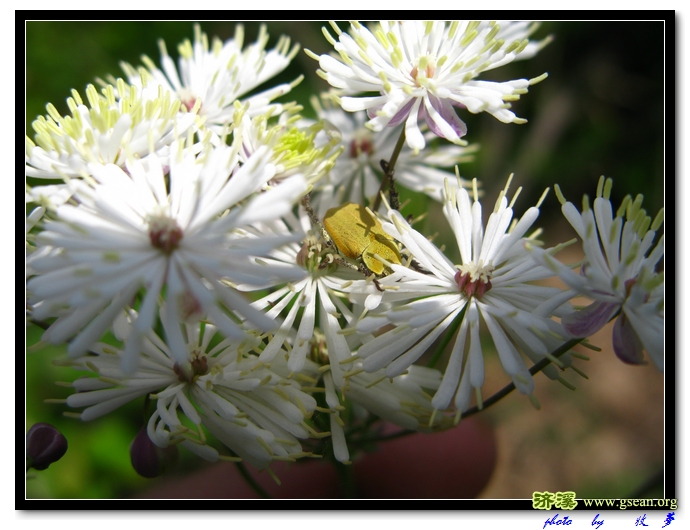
[456, 464]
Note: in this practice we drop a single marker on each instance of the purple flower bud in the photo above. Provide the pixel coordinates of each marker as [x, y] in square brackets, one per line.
[44, 445]
[148, 459]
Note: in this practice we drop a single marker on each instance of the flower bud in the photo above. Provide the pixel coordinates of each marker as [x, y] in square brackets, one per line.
[148, 459]
[44, 445]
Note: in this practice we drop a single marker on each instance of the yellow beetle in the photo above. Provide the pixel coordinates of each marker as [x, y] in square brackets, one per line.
[357, 234]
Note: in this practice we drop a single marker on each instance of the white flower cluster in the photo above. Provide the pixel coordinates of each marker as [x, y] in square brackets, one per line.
[222, 242]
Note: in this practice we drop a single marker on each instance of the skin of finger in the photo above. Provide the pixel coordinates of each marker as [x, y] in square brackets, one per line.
[304, 480]
[453, 464]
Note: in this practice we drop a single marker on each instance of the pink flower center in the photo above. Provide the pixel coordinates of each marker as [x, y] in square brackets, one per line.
[473, 282]
[359, 146]
[197, 367]
[165, 234]
[424, 70]
[187, 98]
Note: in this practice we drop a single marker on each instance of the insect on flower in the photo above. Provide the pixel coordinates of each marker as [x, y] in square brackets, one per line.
[357, 237]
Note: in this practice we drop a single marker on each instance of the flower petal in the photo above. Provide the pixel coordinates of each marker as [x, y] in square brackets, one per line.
[588, 321]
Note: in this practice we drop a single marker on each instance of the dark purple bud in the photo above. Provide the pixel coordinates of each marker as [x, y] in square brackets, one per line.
[148, 459]
[44, 445]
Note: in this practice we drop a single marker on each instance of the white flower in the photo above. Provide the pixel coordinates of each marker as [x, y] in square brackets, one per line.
[425, 69]
[245, 403]
[402, 401]
[109, 131]
[48, 198]
[490, 284]
[619, 273]
[318, 297]
[297, 145]
[358, 168]
[214, 77]
[152, 232]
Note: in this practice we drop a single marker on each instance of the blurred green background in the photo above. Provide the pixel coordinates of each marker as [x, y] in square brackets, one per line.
[600, 111]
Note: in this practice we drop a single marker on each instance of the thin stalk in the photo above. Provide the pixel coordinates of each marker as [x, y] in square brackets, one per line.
[391, 168]
[347, 480]
[393, 436]
[538, 367]
[250, 480]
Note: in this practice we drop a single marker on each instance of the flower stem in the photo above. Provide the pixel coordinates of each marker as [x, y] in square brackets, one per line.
[393, 436]
[538, 367]
[390, 168]
[347, 480]
[250, 480]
